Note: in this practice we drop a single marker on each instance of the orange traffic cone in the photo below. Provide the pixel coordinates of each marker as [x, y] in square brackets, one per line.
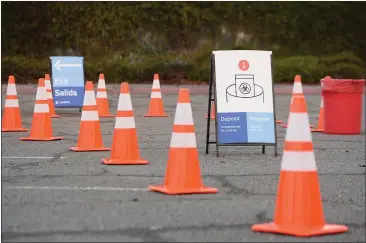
[125, 147]
[156, 107]
[102, 98]
[50, 96]
[41, 129]
[213, 111]
[296, 91]
[90, 136]
[320, 127]
[12, 119]
[279, 121]
[183, 175]
[299, 209]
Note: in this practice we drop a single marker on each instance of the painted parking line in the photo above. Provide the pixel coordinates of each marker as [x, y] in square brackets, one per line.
[75, 188]
[30, 157]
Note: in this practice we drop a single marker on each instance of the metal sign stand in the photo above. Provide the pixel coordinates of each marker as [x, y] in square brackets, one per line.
[212, 97]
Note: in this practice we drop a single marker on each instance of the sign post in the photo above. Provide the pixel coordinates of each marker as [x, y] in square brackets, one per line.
[67, 75]
[241, 84]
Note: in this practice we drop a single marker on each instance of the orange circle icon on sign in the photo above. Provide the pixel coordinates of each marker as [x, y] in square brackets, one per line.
[244, 65]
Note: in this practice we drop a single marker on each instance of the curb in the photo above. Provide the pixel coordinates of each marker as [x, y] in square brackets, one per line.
[173, 89]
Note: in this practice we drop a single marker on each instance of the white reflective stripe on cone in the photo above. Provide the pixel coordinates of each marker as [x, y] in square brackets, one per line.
[89, 98]
[11, 103]
[11, 90]
[155, 95]
[125, 122]
[102, 94]
[183, 114]
[41, 108]
[321, 103]
[298, 161]
[183, 140]
[101, 84]
[124, 102]
[89, 116]
[47, 83]
[41, 93]
[298, 128]
[156, 84]
[49, 96]
[297, 88]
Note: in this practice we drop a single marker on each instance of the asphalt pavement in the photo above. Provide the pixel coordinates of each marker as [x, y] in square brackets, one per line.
[52, 194]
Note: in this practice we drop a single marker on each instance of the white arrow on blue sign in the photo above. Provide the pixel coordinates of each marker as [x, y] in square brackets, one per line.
[59, 65]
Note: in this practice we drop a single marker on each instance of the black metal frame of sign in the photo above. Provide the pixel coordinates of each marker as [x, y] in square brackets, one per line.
[53, 94]
[212, 94]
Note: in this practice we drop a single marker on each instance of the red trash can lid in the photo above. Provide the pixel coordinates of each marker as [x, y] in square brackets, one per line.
[330, 85]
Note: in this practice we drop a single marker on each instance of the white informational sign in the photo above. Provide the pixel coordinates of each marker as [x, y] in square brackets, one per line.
[244, 91]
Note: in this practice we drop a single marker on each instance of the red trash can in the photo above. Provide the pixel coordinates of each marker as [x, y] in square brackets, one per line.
[342, 101]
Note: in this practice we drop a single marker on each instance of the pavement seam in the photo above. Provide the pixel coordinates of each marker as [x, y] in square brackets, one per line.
[162, 176]
[232, 189]
[151, 234]
[140, 233]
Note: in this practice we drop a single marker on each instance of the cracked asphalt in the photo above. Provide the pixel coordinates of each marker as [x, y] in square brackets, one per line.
[52, 194]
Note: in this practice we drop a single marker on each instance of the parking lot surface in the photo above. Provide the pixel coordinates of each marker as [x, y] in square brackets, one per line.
[50, 193]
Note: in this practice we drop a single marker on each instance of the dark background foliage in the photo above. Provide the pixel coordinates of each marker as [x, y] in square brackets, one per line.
[129, 41]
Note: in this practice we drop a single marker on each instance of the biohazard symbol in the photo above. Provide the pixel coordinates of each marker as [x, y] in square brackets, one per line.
[244, 88]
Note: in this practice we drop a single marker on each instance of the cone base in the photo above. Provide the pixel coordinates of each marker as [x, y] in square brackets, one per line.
[14, 129]
[286, 125]
[41, 139]
[77, 149]
[110, 161]
[200, 190]
[156, 115]
[317, 130]
[55, 116]
[295, 231]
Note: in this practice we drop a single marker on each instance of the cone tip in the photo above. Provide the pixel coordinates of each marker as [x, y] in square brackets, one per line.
[183, 96]
[156, 76]
[297, 78]
[124, 88]
[89, 85]
[11, 79]
[47, 76]
[41, 82]
[101, 76]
